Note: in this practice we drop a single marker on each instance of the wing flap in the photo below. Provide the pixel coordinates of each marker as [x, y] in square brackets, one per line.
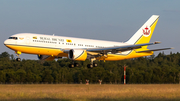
[153, 50]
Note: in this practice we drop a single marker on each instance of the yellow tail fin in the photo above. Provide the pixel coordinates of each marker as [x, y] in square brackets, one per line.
[143, 35]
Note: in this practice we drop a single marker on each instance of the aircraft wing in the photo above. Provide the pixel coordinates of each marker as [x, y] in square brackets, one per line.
[153, 50]
[120, 48]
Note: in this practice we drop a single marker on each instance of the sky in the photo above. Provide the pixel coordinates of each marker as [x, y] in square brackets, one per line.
[112, 20]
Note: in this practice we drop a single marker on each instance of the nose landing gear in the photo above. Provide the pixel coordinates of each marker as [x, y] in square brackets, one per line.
[17, 54]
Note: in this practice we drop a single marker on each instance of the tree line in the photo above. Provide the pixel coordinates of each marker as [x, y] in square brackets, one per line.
[144, 70]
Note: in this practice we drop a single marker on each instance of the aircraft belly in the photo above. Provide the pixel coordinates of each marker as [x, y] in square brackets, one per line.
[35, 50]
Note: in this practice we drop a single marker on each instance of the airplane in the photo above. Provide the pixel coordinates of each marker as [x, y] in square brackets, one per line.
[50, 47]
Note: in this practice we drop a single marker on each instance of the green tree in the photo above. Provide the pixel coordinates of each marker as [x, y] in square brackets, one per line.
[47, 77]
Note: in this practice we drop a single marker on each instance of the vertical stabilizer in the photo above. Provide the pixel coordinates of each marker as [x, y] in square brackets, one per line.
[143, 35]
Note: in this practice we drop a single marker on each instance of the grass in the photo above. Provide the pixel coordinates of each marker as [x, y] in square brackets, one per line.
[92, 92]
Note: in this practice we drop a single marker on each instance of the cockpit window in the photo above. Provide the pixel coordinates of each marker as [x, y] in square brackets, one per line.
[15, 38]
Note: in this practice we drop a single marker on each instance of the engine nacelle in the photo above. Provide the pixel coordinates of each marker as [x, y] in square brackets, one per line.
[45, 57]
[80, 55]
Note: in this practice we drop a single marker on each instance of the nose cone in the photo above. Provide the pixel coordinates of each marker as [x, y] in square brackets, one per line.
[5, 42]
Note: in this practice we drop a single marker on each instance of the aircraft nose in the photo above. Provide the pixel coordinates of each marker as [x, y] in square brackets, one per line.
[5, 42]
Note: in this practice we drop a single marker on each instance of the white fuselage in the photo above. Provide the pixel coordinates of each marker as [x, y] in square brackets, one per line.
[59, 42]
[53, 45]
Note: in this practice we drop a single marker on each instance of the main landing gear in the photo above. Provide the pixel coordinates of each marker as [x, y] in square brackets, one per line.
[92, 63]
[17, 54]
[73, 65]
[77, 65]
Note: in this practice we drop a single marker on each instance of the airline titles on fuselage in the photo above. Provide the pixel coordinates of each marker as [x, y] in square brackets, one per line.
[51, 39]
[60, 41]
[48, 40]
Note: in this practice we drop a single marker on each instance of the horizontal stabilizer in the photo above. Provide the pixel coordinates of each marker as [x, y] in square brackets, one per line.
[153, 50]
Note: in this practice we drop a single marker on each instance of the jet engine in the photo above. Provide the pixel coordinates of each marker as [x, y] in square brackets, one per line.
[75, 54]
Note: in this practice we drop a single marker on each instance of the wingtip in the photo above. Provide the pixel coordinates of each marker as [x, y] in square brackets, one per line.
[157, 42]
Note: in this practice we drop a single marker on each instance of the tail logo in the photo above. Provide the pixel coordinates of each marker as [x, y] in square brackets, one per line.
[146, 31]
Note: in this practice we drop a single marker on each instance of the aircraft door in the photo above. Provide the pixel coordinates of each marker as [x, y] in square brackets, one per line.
[27, 40]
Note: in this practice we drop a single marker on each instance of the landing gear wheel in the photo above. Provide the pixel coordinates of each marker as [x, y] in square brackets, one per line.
[95, 64]
[71, 65]
[76, 64]
[90, 66]
[18, 59]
